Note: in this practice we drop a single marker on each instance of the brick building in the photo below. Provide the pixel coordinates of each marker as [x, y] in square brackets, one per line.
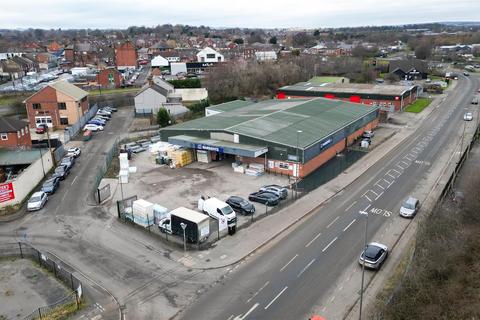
[126, 56]
[58, 105]
[14, 133]
[109, 78]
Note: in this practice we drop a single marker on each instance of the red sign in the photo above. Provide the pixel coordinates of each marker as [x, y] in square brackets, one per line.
[6, 192]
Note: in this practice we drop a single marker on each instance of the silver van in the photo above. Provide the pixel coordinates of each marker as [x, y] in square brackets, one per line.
[409, 208]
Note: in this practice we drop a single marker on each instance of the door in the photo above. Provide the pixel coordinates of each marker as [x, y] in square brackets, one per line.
[43, 120]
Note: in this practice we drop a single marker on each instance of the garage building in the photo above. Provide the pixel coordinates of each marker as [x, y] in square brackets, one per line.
[388, 97]
[292, 137]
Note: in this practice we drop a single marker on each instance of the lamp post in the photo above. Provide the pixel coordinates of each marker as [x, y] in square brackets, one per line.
[298, 164]
[184, 226]
[363, 264]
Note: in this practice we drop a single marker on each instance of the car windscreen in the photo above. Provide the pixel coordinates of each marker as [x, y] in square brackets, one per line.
[48, 183]
[244, 203]
[409, 205]
[226, 210]
[35, 199]
[59, 170]
[373, 252]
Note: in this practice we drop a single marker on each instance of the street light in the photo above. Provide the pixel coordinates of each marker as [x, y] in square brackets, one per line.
[298, 163]
[184, 226]
[363, 264]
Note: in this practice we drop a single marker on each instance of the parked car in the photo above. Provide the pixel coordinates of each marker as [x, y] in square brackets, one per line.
[51, 185]
[96, 122]
[374, 255]
[68, 161]
[280, 191]
[74, 152]
[240, 205]
[62, 172]
[137, 149]
[110, 109]
[102, 117]
[268, 198]
[409, 208]
[368, 134]
[37, 201]
[468, 116]
[104, 113]
[92, 127]
[475, 100]
[41, 128]
[466, 74]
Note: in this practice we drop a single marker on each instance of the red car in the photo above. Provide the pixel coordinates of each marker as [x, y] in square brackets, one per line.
[42, 128]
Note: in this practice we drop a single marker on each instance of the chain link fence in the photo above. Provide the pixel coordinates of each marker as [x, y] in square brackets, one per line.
[113, 151]
[69, 303]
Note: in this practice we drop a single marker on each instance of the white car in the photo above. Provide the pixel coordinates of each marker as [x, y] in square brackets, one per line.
[92, 127]
[409, 208]
[37, 201]
[468, 116]
[74, 152]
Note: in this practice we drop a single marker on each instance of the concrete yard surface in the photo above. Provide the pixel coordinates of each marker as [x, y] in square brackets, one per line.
[24, 287]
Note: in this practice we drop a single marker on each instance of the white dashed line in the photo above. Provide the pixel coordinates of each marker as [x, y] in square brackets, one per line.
[256, 293]
[345, 229]
[276, 297]
[379, 195]
[328, 245]
[350, 206]
[306, 267]
[330, 224]
[74, 180]
[249, 311]
[294, 257]
[311, 241]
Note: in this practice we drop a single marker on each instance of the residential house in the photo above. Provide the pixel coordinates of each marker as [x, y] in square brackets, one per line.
[209, 55]
[143, 54]
[14, 133]
[58, 105]
[109, 78]
[126, 56]
[261, 56]
[54, 47]
[158, 48]
[81, 55]
[171, 56]
[159, 62]
[158, 94]
[45, 60]
[9, 69]
[411, 69]
[26, 64]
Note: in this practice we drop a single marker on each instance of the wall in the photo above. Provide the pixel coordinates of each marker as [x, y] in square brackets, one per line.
[47, 97]
[126, 55]
[193, 94]
[149, 99]
[73, 113]
[104, 81]
[29, 178]
[14, 141]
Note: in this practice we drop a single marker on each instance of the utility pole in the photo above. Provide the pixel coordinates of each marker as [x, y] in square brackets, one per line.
[184, 226]
[363, 264]
[47, 128]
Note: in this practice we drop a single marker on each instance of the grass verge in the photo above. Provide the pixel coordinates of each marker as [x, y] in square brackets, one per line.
[418, 105]
[110, 91]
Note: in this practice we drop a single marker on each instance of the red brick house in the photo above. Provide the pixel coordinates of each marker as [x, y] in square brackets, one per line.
[14, 133]
[126, 56]
[109, 78]
[58, 105]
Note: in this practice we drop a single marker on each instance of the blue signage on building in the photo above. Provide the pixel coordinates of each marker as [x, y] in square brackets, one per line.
[325, 143]
[207, 147]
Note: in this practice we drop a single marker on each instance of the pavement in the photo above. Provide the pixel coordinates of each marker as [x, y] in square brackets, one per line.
[229, 251]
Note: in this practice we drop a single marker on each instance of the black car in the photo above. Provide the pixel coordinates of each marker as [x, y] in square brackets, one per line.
[68, 161]
[51, 185]
[240, 205]
[62, 171]
[374, 255]
[267, 198]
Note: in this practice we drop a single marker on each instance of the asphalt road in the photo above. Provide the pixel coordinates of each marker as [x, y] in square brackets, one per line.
[285, 281]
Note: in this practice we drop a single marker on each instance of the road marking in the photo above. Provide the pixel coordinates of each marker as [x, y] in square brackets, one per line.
[328, 245]
[258, 291]
[333, 298]
[306, 267]
[378, 184]
[345, 229]
[74, 180]
[248, 312]
[294, 257]
[276, 297]
[350, 206]
[366, 208]
[324, 308]
[379, 195]
[231, 317]
[311, 241]
[333, 222]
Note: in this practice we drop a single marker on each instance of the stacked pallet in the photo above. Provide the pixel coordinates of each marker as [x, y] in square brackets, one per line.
[180, 158]
[255, 169]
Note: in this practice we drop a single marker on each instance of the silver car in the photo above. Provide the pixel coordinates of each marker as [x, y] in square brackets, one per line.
[409, 208]
[374, 255]
[279, 191]
[37, 201]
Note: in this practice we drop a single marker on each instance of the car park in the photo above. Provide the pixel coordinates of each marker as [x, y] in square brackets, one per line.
[51, 185]
[92, 127]
[37, 201]
[280, 191]
[241, 205]
[373, 256]
[68, 161]
[468, 116]
[74, 152]
[409, 207]
[268, 198]
[62, 172]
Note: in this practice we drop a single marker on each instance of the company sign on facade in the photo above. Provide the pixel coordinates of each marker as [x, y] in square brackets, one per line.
[6, 192]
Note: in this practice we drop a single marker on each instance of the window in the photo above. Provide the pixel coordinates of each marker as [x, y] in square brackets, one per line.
[36, 106]
[62, 106]
[4, 136]
[210, 55]
[18, 134]
[23, 132]
[63, 120]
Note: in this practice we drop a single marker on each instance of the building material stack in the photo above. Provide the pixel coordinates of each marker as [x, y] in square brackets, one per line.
[180, 158]
[255, 169]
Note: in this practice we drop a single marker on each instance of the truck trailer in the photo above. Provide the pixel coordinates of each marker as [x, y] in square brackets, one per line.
[197, 225]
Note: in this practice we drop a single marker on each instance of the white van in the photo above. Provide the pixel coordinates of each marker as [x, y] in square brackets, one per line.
[217, 209]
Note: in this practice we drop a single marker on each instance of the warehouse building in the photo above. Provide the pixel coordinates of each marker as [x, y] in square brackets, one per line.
[292, 137]
[389, 98]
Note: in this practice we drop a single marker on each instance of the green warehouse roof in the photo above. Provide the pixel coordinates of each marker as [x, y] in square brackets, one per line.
[278, 121]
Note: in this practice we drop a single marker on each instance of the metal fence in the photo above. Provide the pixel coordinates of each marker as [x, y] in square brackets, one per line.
[104, 167]
[143, 113]
[71, 131]
[53, 265]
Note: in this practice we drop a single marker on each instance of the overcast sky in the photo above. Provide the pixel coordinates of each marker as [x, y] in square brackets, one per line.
[106, 14]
